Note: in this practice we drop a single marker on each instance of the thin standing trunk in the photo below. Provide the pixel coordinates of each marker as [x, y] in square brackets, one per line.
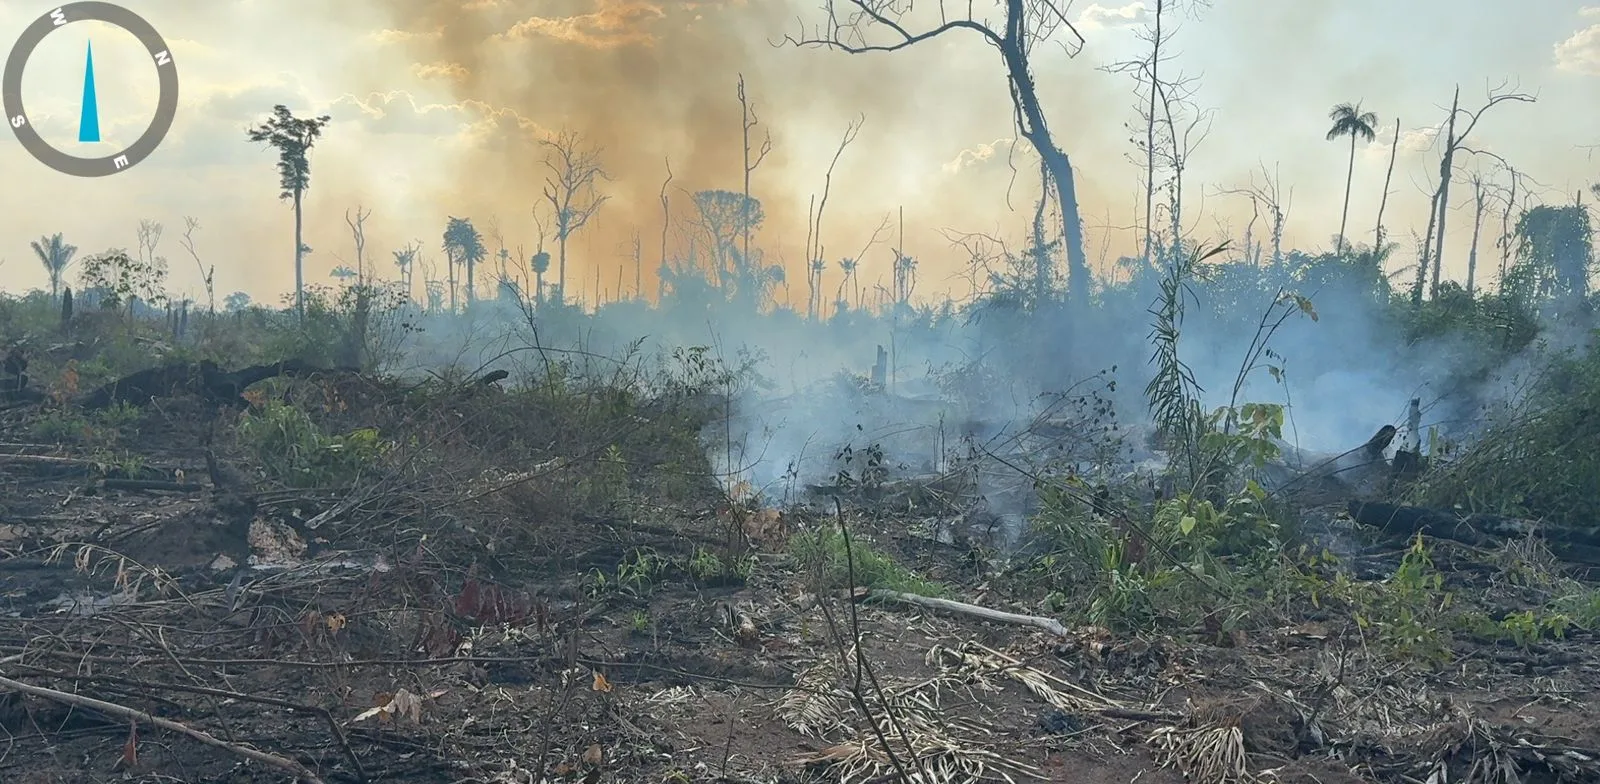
[1041, 259]
[1038, 134]
[1421, 282]
[1349, 177]
[299, 256]
[1394, 148]
[1477, 226]
[1150, 139]
[561, 272]
[1445, 170]
[1505, 228]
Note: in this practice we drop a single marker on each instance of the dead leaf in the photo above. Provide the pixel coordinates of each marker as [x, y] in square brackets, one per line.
[130, 747]
[600, 682]
[400, 704]
[592, 756]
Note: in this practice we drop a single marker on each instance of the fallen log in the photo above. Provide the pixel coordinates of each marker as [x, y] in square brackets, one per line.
[1477, 530]
[1050, 625]
[204, 378]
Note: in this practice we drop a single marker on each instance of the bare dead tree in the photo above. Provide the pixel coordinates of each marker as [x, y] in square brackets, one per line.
[358, 232]
[862, 26]
[1042, 277]
[666, 223]
[1477, 227]
[1453, 143]
[1269, 198]
[1250, 248]
[149, 237]
[207, 273]
[813, 265]
[878, 236]
[984, 252]
[814, 247]
[1424, 248]
[1187, 125]
[748, 121]
[1383, 202]
[1156, 100]
[571, 189]
[1512, 195]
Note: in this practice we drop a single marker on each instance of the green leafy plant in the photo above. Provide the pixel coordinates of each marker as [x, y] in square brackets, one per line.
[295, 451]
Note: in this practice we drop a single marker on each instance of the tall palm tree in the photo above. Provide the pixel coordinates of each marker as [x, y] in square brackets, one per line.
[293, 138]
[463, 245]
[55, 254]
[1349, 120]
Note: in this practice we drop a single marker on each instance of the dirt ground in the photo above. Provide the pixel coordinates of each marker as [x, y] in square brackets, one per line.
[363, 655]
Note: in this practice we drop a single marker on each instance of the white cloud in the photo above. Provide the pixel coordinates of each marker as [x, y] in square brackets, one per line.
[1418, 139]
[398, 112]
[388, 36]
[1580, 53]
[1100, 17]
[980, 154]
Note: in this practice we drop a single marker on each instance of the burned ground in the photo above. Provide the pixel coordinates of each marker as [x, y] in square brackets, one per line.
[356, 578]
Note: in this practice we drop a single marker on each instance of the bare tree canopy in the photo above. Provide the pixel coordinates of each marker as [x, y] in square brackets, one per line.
[571, 189]
[1014, 28]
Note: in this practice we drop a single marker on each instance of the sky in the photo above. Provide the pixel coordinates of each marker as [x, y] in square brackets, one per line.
[438, 106]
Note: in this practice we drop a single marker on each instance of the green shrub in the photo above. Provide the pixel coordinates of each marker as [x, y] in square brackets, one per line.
[295, 451]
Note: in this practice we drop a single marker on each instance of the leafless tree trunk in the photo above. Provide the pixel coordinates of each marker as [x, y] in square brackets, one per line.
[748, 121]
[1153, 65]
[1505, 227]
[1042, 277]
[1166, 105]
[299, 254]
[1025, 23]
[1453, 143]
[450, 267]
[1383, 202]
[814, 246]
[666, 223]
[1446, 166]
[207, 273]
[1178, 111]
[1421, 283]
[638, 269]
[357, 226]
[1269, 195]
[1477, 227]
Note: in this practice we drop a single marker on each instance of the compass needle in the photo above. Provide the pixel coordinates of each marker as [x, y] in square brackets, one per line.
[89, 118]
[21, 124]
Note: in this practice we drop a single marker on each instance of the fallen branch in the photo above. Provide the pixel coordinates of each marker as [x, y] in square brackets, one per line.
[48, 460]
[1477, 530]
[112, 709]
[152, 484]
[73, 466]
[1050, 625]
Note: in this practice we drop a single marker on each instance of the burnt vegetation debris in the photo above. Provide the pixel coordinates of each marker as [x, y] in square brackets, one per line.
[1228, 512]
